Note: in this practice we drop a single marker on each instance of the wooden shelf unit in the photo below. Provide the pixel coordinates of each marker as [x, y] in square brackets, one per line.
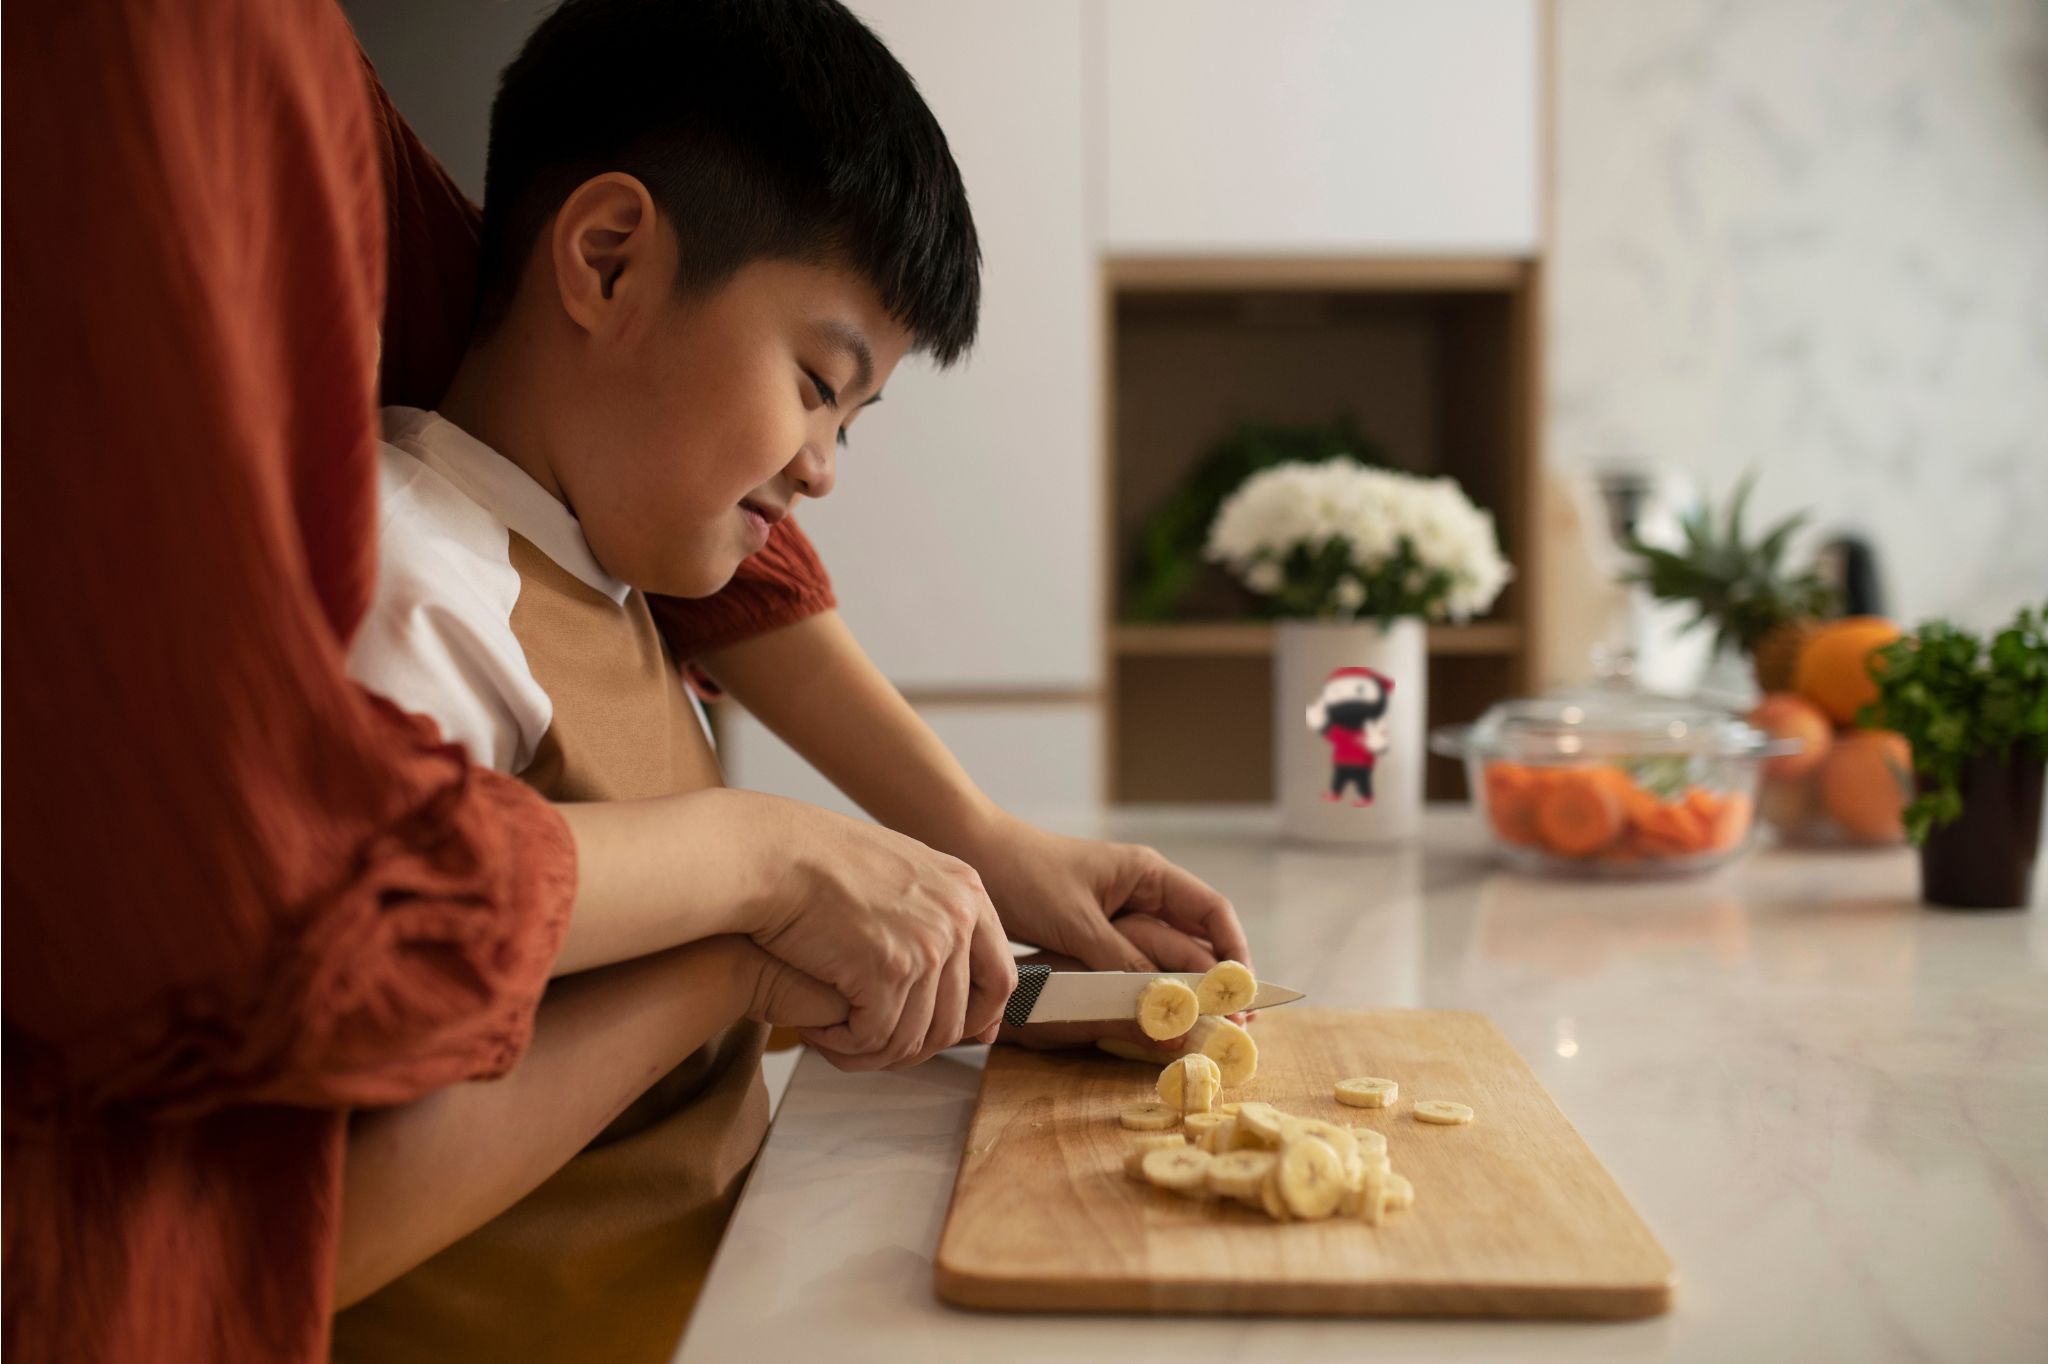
[1436, 359]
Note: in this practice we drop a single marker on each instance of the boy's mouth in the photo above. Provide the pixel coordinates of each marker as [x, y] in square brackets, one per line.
[768, 513]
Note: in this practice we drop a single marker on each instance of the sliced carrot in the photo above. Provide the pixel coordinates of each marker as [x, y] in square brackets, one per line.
[1731, 823]
[1511, 802]
[1578, 815]
[1670, 829]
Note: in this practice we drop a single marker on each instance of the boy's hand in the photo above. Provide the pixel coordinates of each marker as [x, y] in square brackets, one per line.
[1060, 894]
[905, 934]
[772, 991]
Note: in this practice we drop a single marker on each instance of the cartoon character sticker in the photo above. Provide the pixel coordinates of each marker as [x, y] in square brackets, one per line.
[1350, 716]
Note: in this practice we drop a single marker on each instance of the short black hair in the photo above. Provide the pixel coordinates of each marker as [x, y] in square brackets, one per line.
[763, 129]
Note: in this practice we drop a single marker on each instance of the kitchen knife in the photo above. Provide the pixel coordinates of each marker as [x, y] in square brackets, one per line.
[1044, 995]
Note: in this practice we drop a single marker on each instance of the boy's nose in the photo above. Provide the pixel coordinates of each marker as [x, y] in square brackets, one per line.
[813, 470]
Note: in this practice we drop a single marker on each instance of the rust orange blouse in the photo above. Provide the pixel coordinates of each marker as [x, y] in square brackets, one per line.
[241, 895]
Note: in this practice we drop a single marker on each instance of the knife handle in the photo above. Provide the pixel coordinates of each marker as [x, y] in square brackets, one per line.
[1030, 980]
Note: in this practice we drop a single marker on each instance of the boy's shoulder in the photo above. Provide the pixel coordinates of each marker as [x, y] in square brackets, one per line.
[437, 638]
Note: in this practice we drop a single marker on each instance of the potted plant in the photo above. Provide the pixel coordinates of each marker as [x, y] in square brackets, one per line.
[1976, 715]
[1351, 561]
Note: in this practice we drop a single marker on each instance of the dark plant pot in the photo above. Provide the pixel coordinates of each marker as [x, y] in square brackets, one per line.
[1985, 859]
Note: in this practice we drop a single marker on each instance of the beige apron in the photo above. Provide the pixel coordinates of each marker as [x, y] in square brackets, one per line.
[604, 1261]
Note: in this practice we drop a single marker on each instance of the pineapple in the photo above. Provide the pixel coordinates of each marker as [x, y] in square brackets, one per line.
[1742, 588]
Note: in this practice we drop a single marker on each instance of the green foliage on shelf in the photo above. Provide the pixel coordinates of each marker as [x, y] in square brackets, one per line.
[1168, 562]
[1954, 697]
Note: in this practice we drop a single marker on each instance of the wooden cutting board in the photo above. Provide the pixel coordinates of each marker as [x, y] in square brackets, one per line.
[1513, 1215]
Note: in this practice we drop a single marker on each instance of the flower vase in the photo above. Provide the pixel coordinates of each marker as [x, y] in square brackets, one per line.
[1349, 703]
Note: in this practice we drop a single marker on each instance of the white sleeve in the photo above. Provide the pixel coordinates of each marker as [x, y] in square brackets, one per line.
[437, 639]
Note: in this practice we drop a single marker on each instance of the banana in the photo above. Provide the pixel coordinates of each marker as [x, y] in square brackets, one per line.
[1150, 1118]
[1227, 988]
[1166, 1008]
[1200, 1125]
[1370, 1142]
[1182, 1169]
[1131, 1051]
[1227, 1110]
[1191, 1084]
[1261, 1122]
[1240, 1174]
[1367, 1092]
[1269, 1195]
[1229, 1046]
[1341, 1139]
[1134, 1158]
[1443, 1112]
[1368, 1199]
[1311, 1177]
[1400, 1192]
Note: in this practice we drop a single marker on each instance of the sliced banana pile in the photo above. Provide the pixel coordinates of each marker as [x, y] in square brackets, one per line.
[1290, 1167]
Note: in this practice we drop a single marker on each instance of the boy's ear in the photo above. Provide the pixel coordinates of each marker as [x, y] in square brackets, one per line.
[604, 245]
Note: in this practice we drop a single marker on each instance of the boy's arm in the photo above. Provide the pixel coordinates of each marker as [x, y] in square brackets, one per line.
[815, 687]
[420, 1177]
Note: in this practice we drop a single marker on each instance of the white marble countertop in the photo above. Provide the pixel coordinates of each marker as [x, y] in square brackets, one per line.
[1830, 1104]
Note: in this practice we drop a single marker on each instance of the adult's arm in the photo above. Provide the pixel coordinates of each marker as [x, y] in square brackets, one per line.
[231, 875]
[421, 1176]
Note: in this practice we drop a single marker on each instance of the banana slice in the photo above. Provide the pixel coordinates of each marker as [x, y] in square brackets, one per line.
[1400, 1192]
[1166, 1008]
[1229, 1046]
[1341, 1139]
[1134, 1158]
[1269, 1195]
[1368, 1200]
[1200, 1125]
[1311, 1178]
[1228, 987]
[1367, 1092]
[1261, 1122]
[1131, 1051]
[1442, 1112]
[1227, 1110]
[1150, 1118]
[1221, 1138]
[1241, 1174]
[1191, 1083]
[1180, 1168]
[1371, 1141]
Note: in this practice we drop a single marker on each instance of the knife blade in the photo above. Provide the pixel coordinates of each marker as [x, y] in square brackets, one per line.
[1044, 995]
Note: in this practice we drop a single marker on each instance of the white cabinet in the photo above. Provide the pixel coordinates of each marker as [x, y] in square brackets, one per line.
[1325, 126]
[963, 535]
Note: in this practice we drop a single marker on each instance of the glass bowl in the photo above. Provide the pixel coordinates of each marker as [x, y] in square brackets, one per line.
[1613, 783]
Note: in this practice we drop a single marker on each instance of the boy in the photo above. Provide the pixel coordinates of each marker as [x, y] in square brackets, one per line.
[711, 232]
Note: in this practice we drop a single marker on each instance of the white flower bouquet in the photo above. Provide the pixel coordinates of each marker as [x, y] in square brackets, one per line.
[1340, 540]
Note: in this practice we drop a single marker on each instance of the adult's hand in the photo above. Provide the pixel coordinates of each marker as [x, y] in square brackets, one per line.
[907, 935]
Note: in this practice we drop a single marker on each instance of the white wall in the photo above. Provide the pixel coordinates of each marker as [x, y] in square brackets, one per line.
[1812, 236]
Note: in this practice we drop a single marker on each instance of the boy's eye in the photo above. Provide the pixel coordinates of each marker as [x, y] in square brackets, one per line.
[826, 394]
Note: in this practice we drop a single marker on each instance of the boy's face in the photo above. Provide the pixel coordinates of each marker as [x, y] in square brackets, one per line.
[689, 426]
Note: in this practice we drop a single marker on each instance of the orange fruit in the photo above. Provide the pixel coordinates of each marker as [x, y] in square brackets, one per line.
[1789, 805]
[1784, 715]
[1834, 667]
[1865, 785]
